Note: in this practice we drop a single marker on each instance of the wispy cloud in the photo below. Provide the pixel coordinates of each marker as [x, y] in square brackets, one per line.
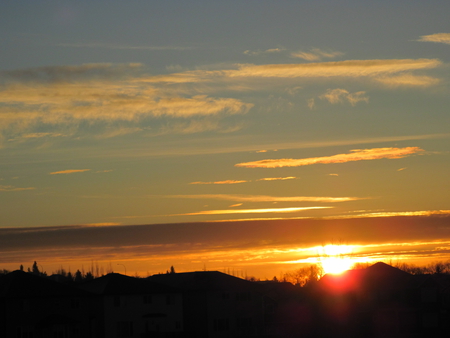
[371, 69]
[13, 188]
[40, 135]
[69, 171]
[277, 178]
[315, 54]
[348, 68]
[267, 51]
[354, 155]
[398, 213]
[221, 182]
[98, 93]
[340, 95]
[438, 37]
[252, 211]
[116, 46]
[266, 198]
[410, 80]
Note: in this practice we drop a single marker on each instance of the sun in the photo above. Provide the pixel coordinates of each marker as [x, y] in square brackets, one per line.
[336, 265]
[335, 259]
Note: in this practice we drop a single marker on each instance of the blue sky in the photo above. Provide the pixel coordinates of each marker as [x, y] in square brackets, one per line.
[120, 113]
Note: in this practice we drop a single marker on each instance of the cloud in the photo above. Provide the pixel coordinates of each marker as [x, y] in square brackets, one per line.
[267, 51]
[311, 103]
[339, 95]
[69, 171]
[265, 198]
[348, 68]
[355, 155]
[264, 242]
[439, 37]
[40, 135]
[127, 47]
[410, 80]
[277, 178]
[315, 54]
[58, 74]
[221, 182]
[70, 95]
[252, 211]
[12, 188]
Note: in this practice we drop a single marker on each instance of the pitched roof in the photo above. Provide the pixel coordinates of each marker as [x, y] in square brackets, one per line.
[379, 275]
[115, 283]
[22, 284]
[204, 280]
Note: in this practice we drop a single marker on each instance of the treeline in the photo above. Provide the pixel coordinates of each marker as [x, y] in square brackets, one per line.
[63, 275]
[304, 276]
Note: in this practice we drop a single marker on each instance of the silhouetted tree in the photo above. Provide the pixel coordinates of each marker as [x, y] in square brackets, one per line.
[78, 276]
[88, 276]
[35, 269]
[21, 267]
[172, 269]
[303, 276]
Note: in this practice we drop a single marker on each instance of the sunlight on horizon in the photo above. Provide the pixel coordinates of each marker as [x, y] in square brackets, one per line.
[336, 258]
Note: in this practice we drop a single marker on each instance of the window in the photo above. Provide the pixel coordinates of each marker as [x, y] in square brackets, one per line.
[124, 329]
[147, 299]
[221, 324]
[244, 324]
[170, 299]
[75, 303]
[243, 296]
[116, 301]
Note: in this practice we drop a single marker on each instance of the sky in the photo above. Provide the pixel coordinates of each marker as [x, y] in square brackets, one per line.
[223, 135]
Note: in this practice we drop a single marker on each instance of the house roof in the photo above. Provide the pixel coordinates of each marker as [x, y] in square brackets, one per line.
[204, 281]
[377, 276]
[22, 284]
[115, 283]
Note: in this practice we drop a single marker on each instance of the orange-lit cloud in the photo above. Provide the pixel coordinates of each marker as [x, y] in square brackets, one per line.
[410, 80]
[439, 37]
[96, 93]
[221, 182]
[355, 155]
[315, 54]
[69, 171]
[13, 188]
[403, 213]
[235, 205]
[252, 211]
[265, 198]
[340, 95]
[277, 178]
[348, 68]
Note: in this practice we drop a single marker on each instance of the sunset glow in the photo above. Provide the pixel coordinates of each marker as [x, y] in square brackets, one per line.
[259, 136]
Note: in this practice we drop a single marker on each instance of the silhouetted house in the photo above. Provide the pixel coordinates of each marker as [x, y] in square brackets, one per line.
[218, 305]
[36, 307]
[135, 307]
[380, 301]
[287, 310]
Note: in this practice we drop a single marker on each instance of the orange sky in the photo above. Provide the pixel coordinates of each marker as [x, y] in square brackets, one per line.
[262, 248]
